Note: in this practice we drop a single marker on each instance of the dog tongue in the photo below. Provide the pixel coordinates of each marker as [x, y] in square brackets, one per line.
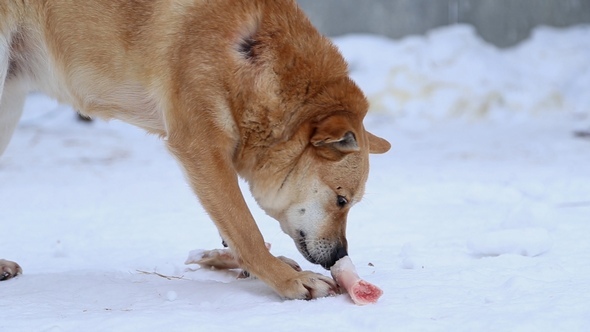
[361, 292]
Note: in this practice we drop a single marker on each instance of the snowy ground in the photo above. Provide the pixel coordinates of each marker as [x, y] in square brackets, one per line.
[477, 220]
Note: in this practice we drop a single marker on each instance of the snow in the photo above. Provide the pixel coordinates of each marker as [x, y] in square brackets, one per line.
[453, 73]
[525, 242]
[476, 220]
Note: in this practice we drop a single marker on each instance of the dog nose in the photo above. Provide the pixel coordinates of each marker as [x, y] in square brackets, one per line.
[338, 253]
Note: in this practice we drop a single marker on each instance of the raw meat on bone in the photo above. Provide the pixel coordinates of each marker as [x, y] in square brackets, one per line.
[361, 292]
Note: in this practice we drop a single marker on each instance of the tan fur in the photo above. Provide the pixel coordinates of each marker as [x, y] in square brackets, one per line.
[239, 88]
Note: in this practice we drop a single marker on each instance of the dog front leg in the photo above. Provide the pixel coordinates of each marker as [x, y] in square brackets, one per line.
[206, 158]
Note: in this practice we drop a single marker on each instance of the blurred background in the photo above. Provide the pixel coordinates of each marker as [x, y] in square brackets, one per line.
[500, 22]
[440, 59]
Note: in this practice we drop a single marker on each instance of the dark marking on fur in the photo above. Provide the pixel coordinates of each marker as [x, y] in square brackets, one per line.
[248, 48]
[287, 177]
[12, 69]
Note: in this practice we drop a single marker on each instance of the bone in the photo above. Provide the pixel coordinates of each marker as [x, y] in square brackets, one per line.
[360, 291]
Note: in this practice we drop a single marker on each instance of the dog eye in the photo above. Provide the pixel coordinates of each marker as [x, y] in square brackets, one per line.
[341, 201]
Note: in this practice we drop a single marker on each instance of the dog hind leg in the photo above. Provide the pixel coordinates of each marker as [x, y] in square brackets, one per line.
[4, 62]
[12, 99]
[4, 58]
[12, 87]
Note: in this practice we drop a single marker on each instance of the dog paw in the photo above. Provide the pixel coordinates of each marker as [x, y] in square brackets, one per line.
[9, 269]
[293, 264]
[309, 285]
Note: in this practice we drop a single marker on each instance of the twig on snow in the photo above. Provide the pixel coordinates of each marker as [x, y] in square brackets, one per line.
[162, 275]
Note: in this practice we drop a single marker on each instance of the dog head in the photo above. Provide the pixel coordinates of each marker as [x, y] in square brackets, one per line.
[321, 186]
[305, 152]
[311, 179]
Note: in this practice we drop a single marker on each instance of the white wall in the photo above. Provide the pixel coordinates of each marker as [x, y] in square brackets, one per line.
[501, 22]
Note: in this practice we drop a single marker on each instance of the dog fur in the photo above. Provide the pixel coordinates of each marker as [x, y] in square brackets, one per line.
[9, 269]
[236, 88]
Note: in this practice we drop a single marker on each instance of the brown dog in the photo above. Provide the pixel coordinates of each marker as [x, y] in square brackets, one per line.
[236, 87]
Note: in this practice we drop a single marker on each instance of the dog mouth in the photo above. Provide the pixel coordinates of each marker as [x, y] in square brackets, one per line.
[322, 251]
[303, 249]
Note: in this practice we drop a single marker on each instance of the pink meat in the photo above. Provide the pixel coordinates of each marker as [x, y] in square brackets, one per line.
[361, 292]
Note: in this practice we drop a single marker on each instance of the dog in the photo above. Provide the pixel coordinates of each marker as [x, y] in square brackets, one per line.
[244, 88]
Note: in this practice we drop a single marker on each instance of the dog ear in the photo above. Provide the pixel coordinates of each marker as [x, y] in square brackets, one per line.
[334, 136]
[344, 143]
[377, 144]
